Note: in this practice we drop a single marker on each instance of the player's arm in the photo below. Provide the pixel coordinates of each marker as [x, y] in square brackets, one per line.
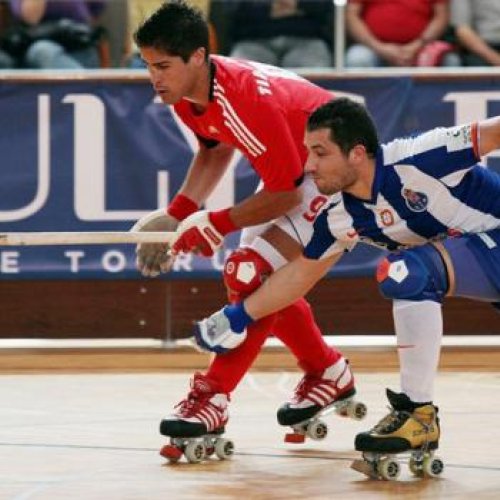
[207, 168]
[227, 328]
[488, 135]
[269, 144]
[287, 285]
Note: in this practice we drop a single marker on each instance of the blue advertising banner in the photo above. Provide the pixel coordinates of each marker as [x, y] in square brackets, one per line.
[96, 155]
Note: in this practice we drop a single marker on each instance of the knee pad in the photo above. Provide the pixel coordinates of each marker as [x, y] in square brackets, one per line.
[244, 271]
[415, 274]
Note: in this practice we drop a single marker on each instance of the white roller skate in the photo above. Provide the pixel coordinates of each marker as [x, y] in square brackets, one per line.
[197, 426]
[316, 396]
[408, 430]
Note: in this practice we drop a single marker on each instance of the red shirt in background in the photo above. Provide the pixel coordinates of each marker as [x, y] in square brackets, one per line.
[397, 21]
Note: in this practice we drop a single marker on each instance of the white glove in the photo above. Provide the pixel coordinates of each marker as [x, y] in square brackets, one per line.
[197, 234]
[214, 334]
[153, 258]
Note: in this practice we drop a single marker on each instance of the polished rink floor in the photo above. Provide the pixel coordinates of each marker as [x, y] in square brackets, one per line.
[94, 436]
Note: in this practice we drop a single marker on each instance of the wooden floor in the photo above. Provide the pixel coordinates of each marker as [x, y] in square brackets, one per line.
[94, 436]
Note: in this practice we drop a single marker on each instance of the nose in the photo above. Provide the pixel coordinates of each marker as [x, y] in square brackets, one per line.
[310, 165]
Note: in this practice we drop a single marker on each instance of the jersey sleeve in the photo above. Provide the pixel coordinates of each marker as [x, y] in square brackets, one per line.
[327, 230]
[261, 129]
[439, 152]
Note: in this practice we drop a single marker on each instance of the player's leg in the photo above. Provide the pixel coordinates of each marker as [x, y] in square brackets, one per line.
[328, 377]
[205, 408]
[417, 280]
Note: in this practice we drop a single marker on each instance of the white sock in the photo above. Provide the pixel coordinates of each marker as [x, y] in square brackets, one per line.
[419, 328]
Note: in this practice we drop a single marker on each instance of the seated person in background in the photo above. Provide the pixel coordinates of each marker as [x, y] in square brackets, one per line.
[477, 24]
[138, 11]
[286, 33]
[389, 33]
[57, 34]
[6, 60]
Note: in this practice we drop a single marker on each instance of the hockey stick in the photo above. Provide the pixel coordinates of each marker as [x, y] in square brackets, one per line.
[84, 238]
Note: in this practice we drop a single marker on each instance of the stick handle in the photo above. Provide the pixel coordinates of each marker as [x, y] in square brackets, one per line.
[84, 238]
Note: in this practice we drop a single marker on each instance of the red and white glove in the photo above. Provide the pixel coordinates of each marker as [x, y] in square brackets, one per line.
[155, 258]
[203, 232]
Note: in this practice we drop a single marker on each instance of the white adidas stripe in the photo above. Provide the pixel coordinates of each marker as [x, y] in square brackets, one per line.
[242, 132]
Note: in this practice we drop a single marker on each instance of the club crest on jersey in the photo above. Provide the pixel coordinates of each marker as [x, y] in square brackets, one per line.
[415, 201]
[387, 217]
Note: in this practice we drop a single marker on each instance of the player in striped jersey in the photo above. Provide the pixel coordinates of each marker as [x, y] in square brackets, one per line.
[261, 111]
[433, 206]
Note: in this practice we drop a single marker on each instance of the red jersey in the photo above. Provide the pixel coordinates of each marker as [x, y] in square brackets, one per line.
[397, 21]
[262, 111]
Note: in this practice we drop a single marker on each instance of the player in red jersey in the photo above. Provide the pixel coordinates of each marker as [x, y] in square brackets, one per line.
[261, 111]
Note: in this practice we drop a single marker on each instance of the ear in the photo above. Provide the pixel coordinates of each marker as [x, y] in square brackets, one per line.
[198, 56]
[357, 154]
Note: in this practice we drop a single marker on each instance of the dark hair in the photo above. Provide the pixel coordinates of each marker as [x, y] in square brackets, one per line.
[176, 28]
[350, 124]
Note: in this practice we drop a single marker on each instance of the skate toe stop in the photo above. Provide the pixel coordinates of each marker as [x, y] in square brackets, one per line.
[295, 438]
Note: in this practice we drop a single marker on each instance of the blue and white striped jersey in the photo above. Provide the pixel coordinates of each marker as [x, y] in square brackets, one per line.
[425, 188]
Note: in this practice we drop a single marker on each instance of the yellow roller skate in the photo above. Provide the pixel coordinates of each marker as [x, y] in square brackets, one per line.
[409, 428]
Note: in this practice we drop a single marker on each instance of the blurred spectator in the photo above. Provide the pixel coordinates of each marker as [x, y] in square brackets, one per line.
[55, 34]
[395, 33]
[6, 61]
[477, 24]
[287, 33]
[139, 10]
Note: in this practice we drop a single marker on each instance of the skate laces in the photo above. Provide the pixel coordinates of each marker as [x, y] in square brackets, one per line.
[198, 397]
[392, 421]
[305, 386]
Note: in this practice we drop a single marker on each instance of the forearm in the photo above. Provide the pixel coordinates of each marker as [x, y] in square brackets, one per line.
[287, 285]
[471, 41]
[264, 206]
[437, 26]
[205, 172]
[360, 32]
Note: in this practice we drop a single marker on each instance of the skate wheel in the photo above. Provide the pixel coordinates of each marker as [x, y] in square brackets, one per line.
[171, 453]
[224, 448]
[294, 437]
[415, 467]
[357, 411]
[317, 430]
[388, 469]
[195, 452]
[432, 466]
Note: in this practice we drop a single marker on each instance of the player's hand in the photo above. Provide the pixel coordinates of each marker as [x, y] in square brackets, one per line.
[154, 258]
[216, 335]
[197, 234]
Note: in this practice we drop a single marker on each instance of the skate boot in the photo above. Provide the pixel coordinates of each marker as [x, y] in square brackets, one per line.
[409, 428]
[317, 395]
[196, 427]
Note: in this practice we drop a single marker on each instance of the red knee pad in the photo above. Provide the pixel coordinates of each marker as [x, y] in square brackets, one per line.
[244, 271]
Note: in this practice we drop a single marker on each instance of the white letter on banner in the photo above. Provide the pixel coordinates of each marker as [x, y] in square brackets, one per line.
[74, 258]
[43, 166]
[472, 107]
[90, 171]
[9, 262]
[114, 261]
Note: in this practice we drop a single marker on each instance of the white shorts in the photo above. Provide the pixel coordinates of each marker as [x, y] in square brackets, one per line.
[297, 223]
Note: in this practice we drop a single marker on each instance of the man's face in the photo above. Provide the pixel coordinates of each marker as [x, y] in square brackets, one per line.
[172, 78]
[327, 164]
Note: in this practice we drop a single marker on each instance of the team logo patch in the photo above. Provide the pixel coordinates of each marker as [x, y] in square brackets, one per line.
[415, 201]
[387, 217]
